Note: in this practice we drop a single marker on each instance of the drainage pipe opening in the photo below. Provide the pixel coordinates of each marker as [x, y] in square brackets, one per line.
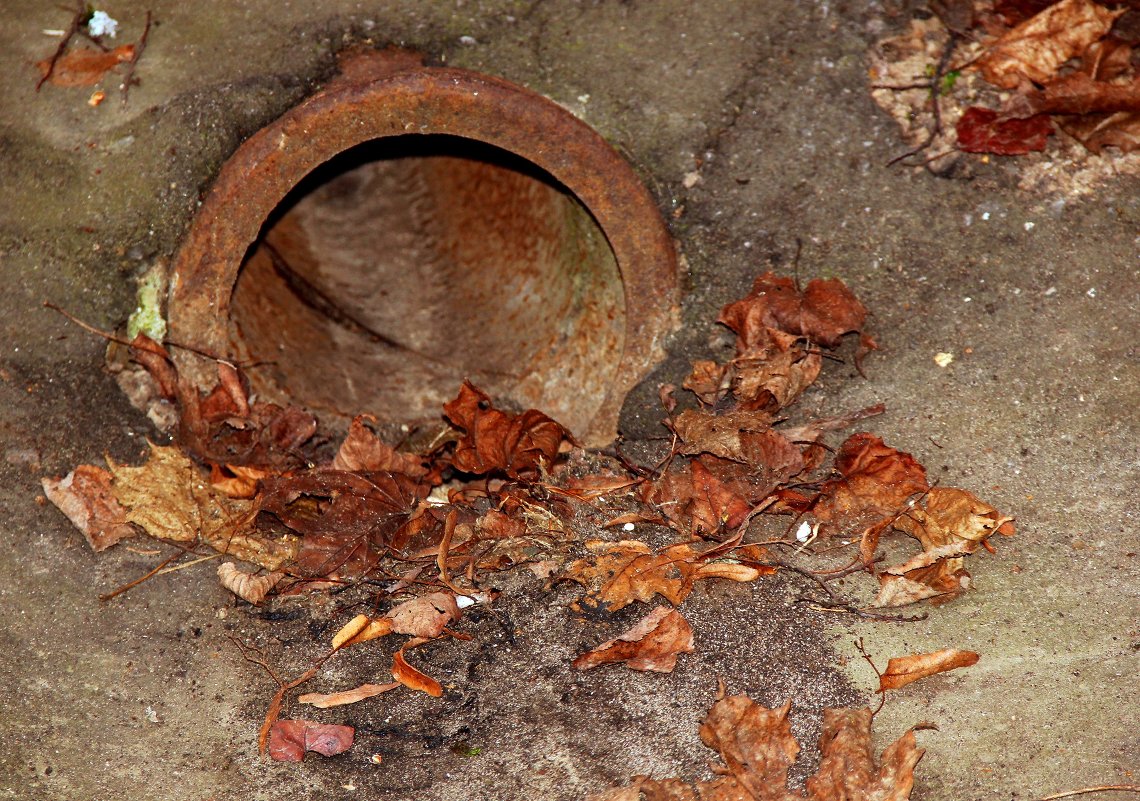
[408, 227]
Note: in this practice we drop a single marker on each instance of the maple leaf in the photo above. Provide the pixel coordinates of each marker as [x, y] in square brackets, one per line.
[169, 498]
[757, 748]
[652, 644]
[823, 312]
[981, 130]
[347, 520]
[289, 740]
[875, 481]
[709, 495]
[85, 66]
[903, 670]
[494, 440]
[85, 496]
[1036, 49]
[362, 451]
[950, 524]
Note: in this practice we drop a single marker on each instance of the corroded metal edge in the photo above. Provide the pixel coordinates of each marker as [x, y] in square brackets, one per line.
[380, 95]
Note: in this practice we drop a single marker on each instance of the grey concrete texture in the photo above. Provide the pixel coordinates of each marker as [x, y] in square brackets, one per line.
[1037, 296]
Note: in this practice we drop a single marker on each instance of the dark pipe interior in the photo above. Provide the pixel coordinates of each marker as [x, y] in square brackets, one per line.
[408, 263]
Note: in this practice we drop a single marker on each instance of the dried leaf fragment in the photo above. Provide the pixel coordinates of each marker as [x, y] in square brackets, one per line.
[85, 66]
[85, 496]
[326, 700]
[652, 644]
[980, 130]
[247, 586]
[363, 451]
[361, 629]
[903, 670]
[412, 678]
[289, 740]
[426, 616]
[1036, 49]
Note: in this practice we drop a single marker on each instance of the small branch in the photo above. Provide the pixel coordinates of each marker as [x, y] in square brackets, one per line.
[878, 674]
[140, 45]
[851, 609]
[77, 21]
[1122, 788]
[126, 343]
[158, 569]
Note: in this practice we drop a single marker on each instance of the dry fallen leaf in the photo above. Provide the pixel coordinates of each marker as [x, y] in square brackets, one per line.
[85, 496]
[362, 451]
[823, 312]
[247, 586]
[289, 740]
[903, 670]
[1037, 48]
[518, 445]
[326, 700]
[652, 644]
[412, 678]
[876, 481]
[426, 616]
[85, 66]
[757, 748]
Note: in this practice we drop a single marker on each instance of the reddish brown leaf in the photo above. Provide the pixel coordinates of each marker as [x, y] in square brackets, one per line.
[823, 312]
[875, 481]
[412, 678]
[289, 740]
[1078, 94]
[157, 362]
[85, 66]
[1098, 131]
[620, 573]
[847, 769]
[980, 130]
[755, 743]
[85, 496]
[1037, 48]
[362, 451]
[903, 670]
[709, 381]
[236, 481]
[247, 586]
[652, 644]
[708, 495]
[496, 441]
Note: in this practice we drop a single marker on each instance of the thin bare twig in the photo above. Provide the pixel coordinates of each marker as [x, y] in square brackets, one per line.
[77, 22]
[1100, 788]
[158, 569]
[139, 47]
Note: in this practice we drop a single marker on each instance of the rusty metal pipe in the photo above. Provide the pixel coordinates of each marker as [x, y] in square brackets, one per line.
[409, 226]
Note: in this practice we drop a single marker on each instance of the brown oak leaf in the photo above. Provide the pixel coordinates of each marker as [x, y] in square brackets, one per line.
[85, 496]
[363, 451]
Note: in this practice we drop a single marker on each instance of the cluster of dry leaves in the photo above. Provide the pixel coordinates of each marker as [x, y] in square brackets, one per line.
[999, 76]
[503, 489]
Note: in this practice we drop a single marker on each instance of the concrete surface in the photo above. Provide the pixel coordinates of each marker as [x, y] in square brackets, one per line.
[1039, 414]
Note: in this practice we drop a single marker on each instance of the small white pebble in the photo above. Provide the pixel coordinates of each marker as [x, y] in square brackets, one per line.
[1091, 292]
[464, 601]
[967, 299]
[943, 359]
[1029, 226]
[467, 41]
[583, 99]
[1051, 291]
[101, 24]
[691, 179]
[151, 715]
[628, 527]
[985, 215]
[803, 533]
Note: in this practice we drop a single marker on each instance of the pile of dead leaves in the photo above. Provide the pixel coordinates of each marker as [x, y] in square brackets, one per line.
[1002, 77]
[424, 533]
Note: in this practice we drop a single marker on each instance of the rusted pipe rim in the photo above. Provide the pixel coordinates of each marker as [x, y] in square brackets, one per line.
[378, 96]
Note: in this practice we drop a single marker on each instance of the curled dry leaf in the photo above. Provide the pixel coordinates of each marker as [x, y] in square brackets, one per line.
[326, 700]
[289, 740]
[414, 679]
[362, 451]
[1036, 49]
[652, 644]
[903, 670]
[361, 629]
[85, 496]
[237, 481]
[517, 445]
[247, 586]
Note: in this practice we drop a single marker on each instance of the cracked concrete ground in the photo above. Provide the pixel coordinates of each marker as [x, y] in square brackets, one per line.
[1036, 295]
